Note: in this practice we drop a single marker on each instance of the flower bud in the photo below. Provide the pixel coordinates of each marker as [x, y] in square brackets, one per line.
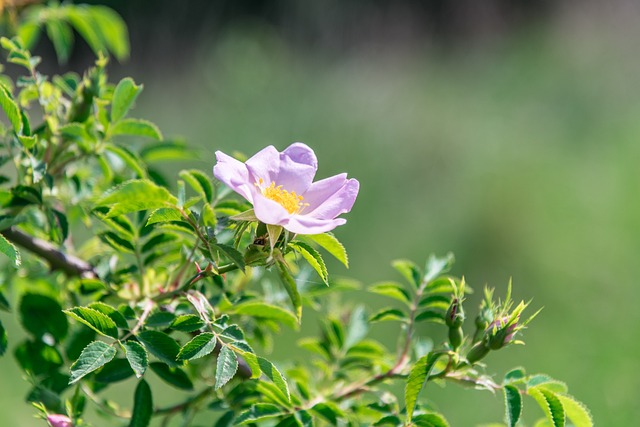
[59, 420]
[477, 352]
[500, 332]
[455, 314]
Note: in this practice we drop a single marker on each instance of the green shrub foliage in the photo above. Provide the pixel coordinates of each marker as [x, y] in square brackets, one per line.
[121, 274]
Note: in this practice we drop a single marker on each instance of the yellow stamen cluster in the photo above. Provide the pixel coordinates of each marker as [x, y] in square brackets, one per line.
[292, 202]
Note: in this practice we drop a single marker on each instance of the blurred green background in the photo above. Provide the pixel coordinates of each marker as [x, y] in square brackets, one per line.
[505, 132]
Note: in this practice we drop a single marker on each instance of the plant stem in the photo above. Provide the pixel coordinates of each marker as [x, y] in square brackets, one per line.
[58, 260]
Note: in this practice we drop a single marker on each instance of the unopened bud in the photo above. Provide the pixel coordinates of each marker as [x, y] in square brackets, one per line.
[455, 314]
[477, 352]
[59, 420]
[500, 333]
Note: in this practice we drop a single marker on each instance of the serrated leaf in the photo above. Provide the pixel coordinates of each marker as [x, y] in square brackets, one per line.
[129, 158]
[409, 271]
[99, 322]
[7, 248]
[136, 127]
[329, 243]
[263, 310]
[292, 289]
[136, 356]
[172, 376]
[514, 375]
[329, 411]
[124, 95]
[418, 375]
[576, 411]
[114, 371]
[388, 314]
[258, 412]
[513, 404]
[161, 345]
[92, 357]
[164, 215]
[430, 316]
[200, 183]
[550, 404]
[430, 420]
[136, 195]
[226, 366]
[391, 289]
[233, 254]
[160, 319]
[199, 346]
[112, 30]
[437, 266]
[11, 109]
[142, 405]
[313, 257]
[41, 314]
[275, 376]
[187, 323]
[111, 312]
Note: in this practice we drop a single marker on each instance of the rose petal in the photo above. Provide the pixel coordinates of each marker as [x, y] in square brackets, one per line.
[269, 211]
[298, 166]
[321, 190]
[234, 174]
[264, 165]
[301, 224]
[338, 203]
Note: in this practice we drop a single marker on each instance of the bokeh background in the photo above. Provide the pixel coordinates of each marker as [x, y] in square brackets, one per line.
[507, 132]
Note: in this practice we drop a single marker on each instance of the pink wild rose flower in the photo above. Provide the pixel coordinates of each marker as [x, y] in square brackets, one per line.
[281, 189]
[58, 420]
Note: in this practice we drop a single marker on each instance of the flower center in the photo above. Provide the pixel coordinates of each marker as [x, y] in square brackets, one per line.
[288, 200]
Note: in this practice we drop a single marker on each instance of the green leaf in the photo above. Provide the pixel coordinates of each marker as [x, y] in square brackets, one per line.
[357, 328]
[136, 127]
[550, 404]
[226, 367]
[514, 375]
[329, 411]
[160, 319]
[142, 406]
[576, 411]
[437, 266]
[173, 376]
[161, 345]
[258, 412]
[124, 95]
[391, 289]
[291, 287]
[275, 376]
[136, 356]
[114, 371]
[430, 316]
[409, 271]
[263, 310]
[187, 323]
[136, 195]
[92, 357]
[418, 375]
[236, 257]
[3, 339]
[99, 322]
[314, 259]
[388, 314]
[200, 183]
[164, 215]
[112, 29]
[329, 243]
[129, 158]
[10, 251]
[42, 315]
[199, 346]
[4, 304]
[61, 37]
[430, 420]
[111, 312]
[11, 109]
[513, 404]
